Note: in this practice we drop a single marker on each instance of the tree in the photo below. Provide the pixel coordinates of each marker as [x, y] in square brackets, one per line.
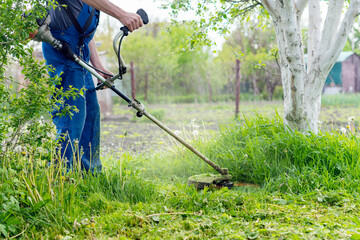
[254, 47]
[171, 69]
[21, 113]
[302, 81]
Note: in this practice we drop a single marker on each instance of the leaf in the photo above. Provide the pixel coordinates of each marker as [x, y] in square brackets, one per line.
[156, 219]
[13, 221]
[3, 230]
[280, 201]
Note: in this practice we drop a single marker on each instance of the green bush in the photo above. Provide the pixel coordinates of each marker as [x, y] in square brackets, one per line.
[265, 95]
[278, 93]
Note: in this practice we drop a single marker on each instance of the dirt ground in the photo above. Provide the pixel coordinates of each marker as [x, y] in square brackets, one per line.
[124, 132]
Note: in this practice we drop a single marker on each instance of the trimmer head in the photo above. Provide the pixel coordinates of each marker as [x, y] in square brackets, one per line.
[210, 180]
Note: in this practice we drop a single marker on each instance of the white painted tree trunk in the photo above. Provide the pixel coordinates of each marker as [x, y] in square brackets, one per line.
[303, 81]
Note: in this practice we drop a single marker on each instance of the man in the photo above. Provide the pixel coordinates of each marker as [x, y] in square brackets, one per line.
[76, 25]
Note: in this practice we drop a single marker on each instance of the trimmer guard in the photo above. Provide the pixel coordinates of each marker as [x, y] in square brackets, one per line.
[210, 180]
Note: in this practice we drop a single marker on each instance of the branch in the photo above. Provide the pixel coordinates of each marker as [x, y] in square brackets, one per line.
[331, 25]
[314, 33]
[328, 59]
[330, 56]
[245, 10]
[245, 7]
[5, 43]
[300, 6]
[270, 6]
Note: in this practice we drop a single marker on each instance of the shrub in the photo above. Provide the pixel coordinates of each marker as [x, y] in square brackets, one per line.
[278, 93]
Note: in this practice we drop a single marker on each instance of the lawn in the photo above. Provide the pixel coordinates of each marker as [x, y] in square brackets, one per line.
[288, 185]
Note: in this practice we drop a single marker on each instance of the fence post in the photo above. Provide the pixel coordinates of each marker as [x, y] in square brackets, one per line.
[210, 89]
[146, 87]
[237, 88]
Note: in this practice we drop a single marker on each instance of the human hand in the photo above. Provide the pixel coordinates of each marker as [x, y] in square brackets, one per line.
[132, 21]
[104, 73]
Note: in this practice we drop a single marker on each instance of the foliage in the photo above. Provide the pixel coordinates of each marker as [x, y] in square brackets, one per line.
[162, 65]
[214, 15]
[260, 73]
[27, 138]
[22, 125]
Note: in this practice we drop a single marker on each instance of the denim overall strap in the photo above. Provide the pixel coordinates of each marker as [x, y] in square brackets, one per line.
[74, 39]
[81, 29]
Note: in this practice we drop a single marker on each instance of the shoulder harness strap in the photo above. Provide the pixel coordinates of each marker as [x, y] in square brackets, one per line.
[81, 30]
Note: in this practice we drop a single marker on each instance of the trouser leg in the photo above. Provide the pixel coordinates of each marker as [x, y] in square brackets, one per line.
[70, 127]
[90, 138]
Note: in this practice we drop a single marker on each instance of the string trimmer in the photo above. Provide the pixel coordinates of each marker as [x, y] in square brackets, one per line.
[200, 181]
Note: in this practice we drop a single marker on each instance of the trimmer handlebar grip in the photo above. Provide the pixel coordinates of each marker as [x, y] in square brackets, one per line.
[141, 12]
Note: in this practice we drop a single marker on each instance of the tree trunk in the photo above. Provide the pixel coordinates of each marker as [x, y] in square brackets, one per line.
[146, 87]
[302, 83]
[209, 88]
[255, 87]
[270, 88]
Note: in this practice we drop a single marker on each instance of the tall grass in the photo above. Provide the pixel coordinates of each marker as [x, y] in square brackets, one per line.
[36, 195]
[261, 150]
[340, 100]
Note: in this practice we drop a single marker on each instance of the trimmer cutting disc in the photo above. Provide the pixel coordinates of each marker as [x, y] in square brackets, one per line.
[210, 180]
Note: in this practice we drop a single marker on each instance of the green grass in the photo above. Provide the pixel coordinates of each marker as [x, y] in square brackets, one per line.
[340, 100]
[259, 150]
[308, 188]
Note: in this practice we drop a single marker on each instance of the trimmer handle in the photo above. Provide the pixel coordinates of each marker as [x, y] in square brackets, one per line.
[141, 12]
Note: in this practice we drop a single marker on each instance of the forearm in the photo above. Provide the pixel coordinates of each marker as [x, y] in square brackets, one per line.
[131, 20]
[94, 55]
[96, 62]
[107, 7]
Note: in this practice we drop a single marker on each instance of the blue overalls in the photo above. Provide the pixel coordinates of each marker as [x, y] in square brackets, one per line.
[81, 131]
